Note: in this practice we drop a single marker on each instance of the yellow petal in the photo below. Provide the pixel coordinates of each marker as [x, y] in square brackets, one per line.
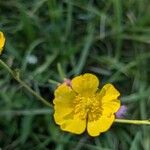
[64, 92]
[85, 84]
[109, 102]
[109, 93]
[74, 125]
[60, 112]
[63, 102]
[94, 128]
[111, 107]
[2, 41]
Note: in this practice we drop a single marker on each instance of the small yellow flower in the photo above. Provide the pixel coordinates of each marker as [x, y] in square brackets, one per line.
[83, 105]
[2, 41]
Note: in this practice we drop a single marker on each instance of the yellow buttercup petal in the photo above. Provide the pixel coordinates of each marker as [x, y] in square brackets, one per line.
[95, 128]
[63, 102]
[108, 96]
[111, 107]
[74, 125]
[64, 93]
[108, 93]
[85, 84]
[61, 111]
[2, 41]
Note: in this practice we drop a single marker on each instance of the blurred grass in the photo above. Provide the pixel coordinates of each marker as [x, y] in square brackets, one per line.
[49, 39]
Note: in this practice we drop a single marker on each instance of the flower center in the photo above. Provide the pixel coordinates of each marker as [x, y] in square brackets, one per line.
[87, 107]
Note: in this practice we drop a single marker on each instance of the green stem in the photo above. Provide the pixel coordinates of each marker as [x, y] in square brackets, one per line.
[138, 122]
[24, 84]
[34, 93]
[6, 67]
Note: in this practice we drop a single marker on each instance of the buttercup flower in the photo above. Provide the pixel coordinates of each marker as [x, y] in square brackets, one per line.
[2, 41]
[84, 106]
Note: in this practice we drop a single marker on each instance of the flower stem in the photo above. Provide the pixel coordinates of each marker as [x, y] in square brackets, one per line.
[17, 78]
[6, 67]
[138, 122]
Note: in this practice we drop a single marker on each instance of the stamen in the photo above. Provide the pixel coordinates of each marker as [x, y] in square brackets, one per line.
[87, 107]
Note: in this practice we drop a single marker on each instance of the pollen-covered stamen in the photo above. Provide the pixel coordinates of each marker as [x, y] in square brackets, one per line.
[87, 107]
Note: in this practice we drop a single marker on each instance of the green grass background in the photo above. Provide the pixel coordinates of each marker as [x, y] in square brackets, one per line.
[109, 38]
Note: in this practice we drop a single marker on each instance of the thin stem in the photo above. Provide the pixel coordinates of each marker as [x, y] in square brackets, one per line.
[26, 112]
[6, 67]
[138, 122]
[34, 93]
[17, 78]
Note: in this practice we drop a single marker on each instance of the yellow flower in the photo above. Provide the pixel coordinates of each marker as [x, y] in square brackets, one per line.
[83, 105]
[2, 41]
